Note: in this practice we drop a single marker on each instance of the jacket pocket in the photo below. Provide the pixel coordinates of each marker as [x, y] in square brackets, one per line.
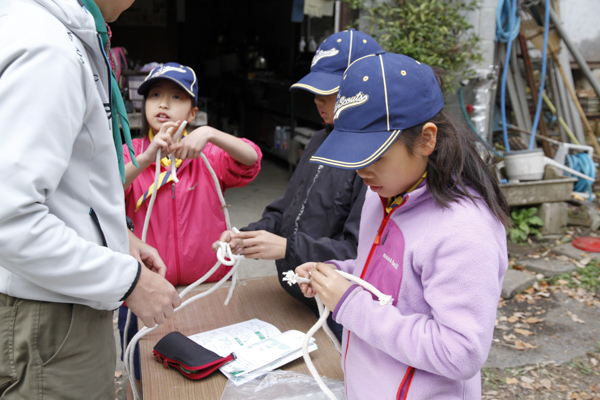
[97, 222]
[386, 267]
[8, 372]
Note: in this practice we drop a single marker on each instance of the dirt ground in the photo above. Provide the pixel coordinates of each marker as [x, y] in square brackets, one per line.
[522, 324]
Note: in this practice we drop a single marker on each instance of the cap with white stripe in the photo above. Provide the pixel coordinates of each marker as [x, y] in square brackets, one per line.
[380, 95]
[332, 58]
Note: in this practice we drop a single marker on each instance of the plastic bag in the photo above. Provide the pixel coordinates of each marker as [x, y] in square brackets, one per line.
[279, 385]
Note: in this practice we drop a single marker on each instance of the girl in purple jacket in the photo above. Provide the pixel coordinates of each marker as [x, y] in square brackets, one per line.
[432, 236]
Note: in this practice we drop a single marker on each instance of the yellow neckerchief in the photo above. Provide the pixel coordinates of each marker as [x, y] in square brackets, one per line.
[393, 202]
[164, 177]
[166, 161]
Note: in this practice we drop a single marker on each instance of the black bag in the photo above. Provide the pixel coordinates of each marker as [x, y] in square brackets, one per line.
[187, 356]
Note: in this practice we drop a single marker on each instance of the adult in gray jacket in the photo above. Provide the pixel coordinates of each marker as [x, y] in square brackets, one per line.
[65, 260]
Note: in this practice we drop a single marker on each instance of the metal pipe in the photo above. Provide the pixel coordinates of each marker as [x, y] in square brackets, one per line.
[575, 52]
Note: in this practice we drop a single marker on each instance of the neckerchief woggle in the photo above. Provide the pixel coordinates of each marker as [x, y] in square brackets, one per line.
[393, 202]
[164, 177]
[118, 112]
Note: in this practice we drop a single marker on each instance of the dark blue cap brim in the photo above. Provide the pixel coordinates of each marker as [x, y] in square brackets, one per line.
[322, 83]
[145, 86]
[353, 150]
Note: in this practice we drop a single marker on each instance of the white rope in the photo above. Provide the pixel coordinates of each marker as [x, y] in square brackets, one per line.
[224, 257]
[292, 278]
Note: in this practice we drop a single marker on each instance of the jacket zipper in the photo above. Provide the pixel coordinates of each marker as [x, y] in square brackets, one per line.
[364, 271]
[405, 384]
[175, 233]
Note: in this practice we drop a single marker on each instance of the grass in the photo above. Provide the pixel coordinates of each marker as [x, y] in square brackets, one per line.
[588, 277]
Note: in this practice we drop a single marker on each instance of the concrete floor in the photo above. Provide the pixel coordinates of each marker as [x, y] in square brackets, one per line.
[247, 205]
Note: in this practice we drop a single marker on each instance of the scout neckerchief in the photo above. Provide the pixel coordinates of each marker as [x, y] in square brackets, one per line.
[116, 101]
[164, 177]
[395, 201]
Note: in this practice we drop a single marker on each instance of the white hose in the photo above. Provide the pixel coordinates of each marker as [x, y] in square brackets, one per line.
[224, 256]
[292, 278]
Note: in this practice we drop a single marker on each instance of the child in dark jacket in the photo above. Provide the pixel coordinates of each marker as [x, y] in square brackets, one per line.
[431, 236]
[318, 216]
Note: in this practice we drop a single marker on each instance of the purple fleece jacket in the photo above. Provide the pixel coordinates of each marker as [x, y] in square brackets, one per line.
[444, 268]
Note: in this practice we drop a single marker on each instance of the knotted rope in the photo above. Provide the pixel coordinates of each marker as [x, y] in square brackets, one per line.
[224, 256]
[293, 278]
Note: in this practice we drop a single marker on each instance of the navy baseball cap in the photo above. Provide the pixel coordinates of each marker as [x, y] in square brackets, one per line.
[180, 74]
[380, 95]
[332, 58]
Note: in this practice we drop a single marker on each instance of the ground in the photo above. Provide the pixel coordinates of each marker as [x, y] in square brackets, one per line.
[547, 338]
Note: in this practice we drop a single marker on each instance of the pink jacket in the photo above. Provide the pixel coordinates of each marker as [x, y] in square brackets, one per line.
[187, 216]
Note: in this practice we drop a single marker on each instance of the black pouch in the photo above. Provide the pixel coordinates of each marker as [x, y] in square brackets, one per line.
[188, 357]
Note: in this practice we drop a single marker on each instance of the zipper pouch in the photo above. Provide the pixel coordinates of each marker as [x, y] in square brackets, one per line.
[188, 357]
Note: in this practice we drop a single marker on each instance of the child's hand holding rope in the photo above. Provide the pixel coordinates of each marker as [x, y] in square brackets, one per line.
[326, 282]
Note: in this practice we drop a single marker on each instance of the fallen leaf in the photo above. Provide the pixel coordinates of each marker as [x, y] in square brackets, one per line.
[512, 381]
[562, 258]
[527, 379]
[529, 345]
[523, 332]
[547, 383]
[519, 344]
[118, 374]
[530, 290]
[534, 320]
[594, 361]
[585, 260]
[575, 318]
[512, 319]
[562, 282]
[575, 396]
[527, 385]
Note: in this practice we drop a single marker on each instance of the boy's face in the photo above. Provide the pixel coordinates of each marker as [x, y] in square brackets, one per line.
[326, 106]
[167, 101]
[111, 9]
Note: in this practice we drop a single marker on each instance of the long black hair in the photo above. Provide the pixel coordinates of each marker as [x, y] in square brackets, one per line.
[455, 164]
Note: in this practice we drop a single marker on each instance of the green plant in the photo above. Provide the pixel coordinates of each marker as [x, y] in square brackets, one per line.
[434, 32]
[587, 277]
[523, 221]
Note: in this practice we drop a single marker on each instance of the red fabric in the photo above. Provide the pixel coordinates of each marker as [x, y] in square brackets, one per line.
[183, 229]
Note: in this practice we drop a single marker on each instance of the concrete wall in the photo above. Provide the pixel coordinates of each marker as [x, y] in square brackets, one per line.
[580, 21]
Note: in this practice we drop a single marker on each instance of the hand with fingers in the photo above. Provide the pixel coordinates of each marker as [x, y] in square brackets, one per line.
[191, 146]
[326, 282]
[226, 237]
[153, 299]
[260, 245]
[163, 141]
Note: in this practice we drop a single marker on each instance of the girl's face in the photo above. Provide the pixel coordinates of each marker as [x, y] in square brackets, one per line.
[326, 106]
[167, 101]
[397, 170]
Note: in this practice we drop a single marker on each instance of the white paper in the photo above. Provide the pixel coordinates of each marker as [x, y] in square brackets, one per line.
[266, 354]
[238, 380]
[232, 338]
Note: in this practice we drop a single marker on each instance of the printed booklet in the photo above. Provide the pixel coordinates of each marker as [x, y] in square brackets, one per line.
[259, 347]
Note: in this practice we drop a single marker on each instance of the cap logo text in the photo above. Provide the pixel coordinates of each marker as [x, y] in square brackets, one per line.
[322, 54]
[163, 70]
[344, 103]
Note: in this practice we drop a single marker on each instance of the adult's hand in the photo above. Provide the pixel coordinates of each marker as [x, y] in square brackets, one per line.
[146, 255]
[260, 245]
[153, 299]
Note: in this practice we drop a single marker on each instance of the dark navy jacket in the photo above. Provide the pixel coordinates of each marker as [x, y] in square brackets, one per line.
[319, 215]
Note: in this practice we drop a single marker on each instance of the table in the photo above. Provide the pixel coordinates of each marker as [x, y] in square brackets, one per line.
[261, 298]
